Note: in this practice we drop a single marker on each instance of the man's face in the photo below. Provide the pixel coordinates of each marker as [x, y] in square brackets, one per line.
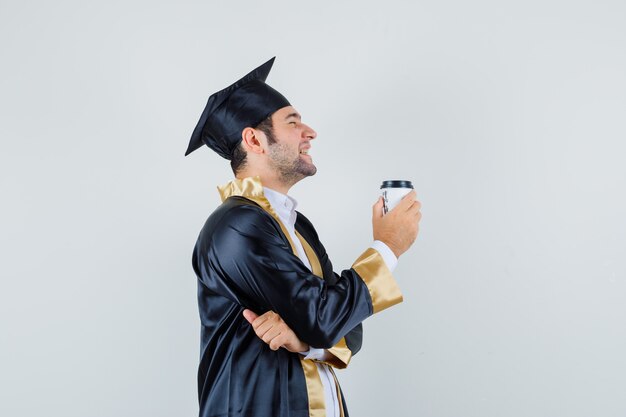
[289, 155]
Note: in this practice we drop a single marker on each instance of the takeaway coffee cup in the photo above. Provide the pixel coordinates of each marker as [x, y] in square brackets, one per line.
[393, 191]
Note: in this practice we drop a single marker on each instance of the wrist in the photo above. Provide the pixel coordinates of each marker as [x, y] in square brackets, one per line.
[396, 251]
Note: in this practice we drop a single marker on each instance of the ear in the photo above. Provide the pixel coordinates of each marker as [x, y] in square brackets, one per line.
[250, 139]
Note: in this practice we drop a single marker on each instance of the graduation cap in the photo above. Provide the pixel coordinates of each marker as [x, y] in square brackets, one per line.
[246, 103]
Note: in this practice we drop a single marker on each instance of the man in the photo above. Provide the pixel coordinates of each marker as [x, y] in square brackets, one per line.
[275, 317]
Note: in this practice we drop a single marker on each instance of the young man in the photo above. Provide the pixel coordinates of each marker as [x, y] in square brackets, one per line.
[275, 317]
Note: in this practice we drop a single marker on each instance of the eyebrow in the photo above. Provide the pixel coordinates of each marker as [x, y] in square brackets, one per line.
[296, 115]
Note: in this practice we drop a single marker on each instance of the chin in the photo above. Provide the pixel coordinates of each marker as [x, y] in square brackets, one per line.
[305, 169]
[310, 170]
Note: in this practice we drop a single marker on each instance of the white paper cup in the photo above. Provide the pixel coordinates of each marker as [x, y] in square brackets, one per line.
[393, 191]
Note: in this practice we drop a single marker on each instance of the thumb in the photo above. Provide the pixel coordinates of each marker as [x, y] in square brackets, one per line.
[377, 209]
[250, 315]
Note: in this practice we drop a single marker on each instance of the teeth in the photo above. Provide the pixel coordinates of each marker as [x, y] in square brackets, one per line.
[305, 152]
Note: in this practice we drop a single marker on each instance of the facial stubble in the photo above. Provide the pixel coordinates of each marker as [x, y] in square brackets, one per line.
[290, 170]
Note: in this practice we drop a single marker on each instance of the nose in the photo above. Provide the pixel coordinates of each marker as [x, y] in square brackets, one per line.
[309, 133]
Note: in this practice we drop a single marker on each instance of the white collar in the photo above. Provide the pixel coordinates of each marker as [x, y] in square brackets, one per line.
[284, 205]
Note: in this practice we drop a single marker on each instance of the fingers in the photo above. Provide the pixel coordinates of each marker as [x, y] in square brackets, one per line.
[256, 323]
[276, 342]
[377, 208]
[271, 328]
[271, 334]
[267, 326]
[407, 201]
[250, 315]
[267, 323]
[415, 207]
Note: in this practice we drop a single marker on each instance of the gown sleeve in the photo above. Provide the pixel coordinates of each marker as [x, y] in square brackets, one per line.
[244, 256]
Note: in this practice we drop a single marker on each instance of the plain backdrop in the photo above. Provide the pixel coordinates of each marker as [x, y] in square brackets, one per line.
[507, 116]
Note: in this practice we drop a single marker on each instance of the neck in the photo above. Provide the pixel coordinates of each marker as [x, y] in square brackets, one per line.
[269, 181]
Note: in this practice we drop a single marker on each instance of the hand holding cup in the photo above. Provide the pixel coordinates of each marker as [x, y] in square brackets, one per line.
[398, 228]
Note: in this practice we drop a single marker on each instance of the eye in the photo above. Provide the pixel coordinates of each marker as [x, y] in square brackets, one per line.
[292, 123]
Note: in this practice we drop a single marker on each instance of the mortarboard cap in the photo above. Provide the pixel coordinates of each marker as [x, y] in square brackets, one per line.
[243, 104]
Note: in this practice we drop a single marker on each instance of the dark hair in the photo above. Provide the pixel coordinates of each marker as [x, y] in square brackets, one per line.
[238, 161]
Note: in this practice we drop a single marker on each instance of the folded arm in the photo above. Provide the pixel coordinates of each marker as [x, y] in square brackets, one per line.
[247, 258]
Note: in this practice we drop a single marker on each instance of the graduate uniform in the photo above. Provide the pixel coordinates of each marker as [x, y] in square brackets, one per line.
[245, 258]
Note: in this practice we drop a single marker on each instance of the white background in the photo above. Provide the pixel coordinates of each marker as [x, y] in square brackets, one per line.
[507, 116]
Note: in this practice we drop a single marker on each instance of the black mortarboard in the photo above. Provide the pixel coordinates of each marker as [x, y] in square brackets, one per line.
[246, 103]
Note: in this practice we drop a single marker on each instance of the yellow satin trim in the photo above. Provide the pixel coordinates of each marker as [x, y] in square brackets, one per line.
[316, 267]
[342, 355]
[314, 388]
[338, 393]
[382, 286]
[246, 187]
[252, 189]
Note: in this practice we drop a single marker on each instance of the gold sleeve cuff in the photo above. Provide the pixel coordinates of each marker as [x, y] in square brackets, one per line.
[382, 286]
[340, 355]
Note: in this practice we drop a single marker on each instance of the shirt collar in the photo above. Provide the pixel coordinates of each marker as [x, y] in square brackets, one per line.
[271, 200]
[284, 205]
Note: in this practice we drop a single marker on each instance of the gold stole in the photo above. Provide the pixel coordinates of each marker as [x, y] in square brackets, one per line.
[314, 387]
[341, 348]
[252, 189]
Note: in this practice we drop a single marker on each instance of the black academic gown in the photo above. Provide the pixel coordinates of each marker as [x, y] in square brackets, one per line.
[245, 259]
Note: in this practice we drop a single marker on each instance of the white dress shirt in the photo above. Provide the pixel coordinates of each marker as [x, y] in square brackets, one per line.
[285, 208]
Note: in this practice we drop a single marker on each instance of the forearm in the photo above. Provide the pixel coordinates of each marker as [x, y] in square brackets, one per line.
[263, 274]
